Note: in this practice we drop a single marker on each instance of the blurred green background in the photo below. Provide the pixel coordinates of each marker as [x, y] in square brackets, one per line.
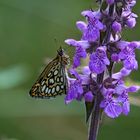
[28, 29]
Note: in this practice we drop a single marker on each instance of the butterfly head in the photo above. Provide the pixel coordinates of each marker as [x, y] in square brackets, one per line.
[60, 51]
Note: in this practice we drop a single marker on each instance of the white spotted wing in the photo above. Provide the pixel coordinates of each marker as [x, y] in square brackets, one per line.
[52, 81]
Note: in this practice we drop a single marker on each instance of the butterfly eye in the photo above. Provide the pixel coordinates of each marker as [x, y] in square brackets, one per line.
[53, 80]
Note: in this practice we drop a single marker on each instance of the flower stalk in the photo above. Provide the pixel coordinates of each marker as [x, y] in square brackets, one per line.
[96, 113]
[95, 121]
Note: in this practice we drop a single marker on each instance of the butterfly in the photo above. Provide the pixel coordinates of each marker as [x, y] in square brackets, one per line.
[53, 80]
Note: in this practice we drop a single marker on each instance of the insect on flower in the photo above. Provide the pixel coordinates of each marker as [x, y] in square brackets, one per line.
[53, 79]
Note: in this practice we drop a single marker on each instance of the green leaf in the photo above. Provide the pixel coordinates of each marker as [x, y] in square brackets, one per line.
[89, 109]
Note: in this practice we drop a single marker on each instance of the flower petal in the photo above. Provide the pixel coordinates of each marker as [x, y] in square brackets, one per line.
[82, 26]
[113, 110]
[126, 108]
[133, 88]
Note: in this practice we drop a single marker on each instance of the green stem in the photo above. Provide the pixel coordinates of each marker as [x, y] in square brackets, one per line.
[96, 113]
[95, 121]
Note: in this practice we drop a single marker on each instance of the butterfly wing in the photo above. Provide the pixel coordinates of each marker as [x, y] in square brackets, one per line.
[51, 82]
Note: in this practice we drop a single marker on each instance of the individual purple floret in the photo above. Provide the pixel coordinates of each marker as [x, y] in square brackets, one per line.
[80, 50]
[116, 26]
[110, 104]
[116, 100]
[98, 60]
[75, 90]
[127, 55]
[91, 31]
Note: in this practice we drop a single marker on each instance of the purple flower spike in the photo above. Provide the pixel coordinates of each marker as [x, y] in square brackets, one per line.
[103, 47]
[98, 61]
